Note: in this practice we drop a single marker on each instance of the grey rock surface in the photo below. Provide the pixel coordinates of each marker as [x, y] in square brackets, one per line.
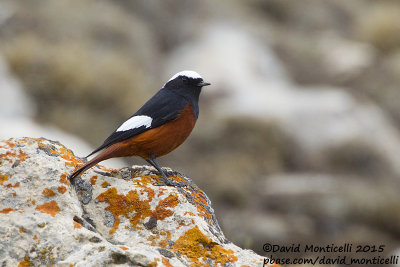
[109, 217]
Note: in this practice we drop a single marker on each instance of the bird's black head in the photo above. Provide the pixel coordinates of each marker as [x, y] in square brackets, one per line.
[187, 83]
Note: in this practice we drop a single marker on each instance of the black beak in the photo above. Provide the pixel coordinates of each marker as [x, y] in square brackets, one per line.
[202, 83]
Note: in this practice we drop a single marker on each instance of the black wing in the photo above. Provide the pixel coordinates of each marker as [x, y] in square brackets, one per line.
[162, 107]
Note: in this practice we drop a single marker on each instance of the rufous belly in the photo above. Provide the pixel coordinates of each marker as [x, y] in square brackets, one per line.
[158, 141]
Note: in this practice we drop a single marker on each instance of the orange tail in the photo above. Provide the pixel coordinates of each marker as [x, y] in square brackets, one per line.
[106, 154]
[84, 168]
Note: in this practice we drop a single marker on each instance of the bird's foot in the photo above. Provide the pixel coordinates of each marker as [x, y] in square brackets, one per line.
[169, 182]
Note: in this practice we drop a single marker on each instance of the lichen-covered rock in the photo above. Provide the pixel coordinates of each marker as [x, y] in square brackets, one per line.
[109, 217]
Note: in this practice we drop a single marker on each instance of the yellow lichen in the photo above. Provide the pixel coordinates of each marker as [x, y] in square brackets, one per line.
[198, 248]
[105, 184]
[3, 178]
[25, 263]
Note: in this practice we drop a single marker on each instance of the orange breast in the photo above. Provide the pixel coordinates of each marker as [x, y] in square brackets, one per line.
[158, 141]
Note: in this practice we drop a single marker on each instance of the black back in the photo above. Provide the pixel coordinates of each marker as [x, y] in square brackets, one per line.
[164, 106]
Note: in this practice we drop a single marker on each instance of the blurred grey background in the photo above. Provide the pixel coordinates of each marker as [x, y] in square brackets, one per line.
[298, 137]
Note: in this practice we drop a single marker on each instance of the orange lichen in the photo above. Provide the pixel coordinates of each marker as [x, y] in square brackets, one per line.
[166, 263]
[177, 178]
[189, 212]
[16, 185]
[3, 178]
[198, 248]
[150, 193]
[69, 156]
[61, 189]
[77, 225]
[123, 248]
[181, 223]
[200, 202]
[105, 184]
[161, 192]
[51, 208]
[125, 205]
[9, 143]
[152, 239]
[145, 180]
[165, 242]
[21, 156]
[63, 178]
[104, 169]
[47, 192]
[6, 210]
[35, 237]
[10, 156]
[199, 197]
[93, 180]
[161, 211]
[14, 194]
[25, 263]
[22, 230]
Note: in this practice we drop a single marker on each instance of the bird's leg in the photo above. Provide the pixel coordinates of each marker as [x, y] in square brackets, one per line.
[167, 181]
[155, 165]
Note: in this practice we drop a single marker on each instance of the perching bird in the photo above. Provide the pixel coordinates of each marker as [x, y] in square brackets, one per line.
[161, 125]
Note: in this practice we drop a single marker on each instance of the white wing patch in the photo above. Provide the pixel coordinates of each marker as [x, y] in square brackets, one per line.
[135, 122]
[187, 73]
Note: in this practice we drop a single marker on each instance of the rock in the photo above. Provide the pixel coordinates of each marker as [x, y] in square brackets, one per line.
[345, 59]
[109, 217]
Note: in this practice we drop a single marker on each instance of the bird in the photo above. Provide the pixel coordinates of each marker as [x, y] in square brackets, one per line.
[161, 125]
